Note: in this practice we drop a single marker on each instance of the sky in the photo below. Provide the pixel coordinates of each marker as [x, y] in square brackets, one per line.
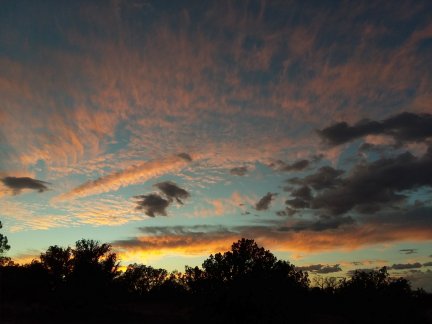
[171, 129]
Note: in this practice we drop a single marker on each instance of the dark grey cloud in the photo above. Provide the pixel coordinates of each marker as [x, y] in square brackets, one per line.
[323, 223]
[264, 202]
[181, 230]
[286, 212]
[404, 266]
[377, 148]
[185, 157]
[369, 187]
[152, 204]
[403, 218]
[239, 171]
[404, 127]
[408, 251]
[295, 166]
[16, 184]
[172, 191]
[297, 203]
[303, 192]
[321, 269]
[302, 197]
[351, 273]
[326, 177]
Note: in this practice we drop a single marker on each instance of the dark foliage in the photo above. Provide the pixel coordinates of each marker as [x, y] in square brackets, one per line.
[246, 284]
[4, 246]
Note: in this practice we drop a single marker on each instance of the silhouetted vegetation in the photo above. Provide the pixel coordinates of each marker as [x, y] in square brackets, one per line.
[246, 284]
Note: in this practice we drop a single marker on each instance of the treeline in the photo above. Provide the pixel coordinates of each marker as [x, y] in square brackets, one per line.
[246, 284]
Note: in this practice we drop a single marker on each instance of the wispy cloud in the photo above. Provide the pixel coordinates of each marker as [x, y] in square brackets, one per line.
[131, 175]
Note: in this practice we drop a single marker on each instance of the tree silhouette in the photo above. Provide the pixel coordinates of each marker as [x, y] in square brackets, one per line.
[245, 257]
[375, 282]
[141, 279]
[58, 262]
[247, 260]
[4, 247]
[94, 267]
[248, 284]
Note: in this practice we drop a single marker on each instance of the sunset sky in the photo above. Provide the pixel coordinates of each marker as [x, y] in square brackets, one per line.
[173, 128]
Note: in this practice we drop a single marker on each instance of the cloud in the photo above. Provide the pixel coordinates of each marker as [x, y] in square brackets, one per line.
[351, 273]
[302, 197]
[409, 226]
[239, 171]
[404, 127]
[324, 223]
[134, 174]
[172, 191]
[326, 177]
[321, 269]
[421, 279]
[233, 205]
[404, 266]
[185, 157]
[264, 202]
[286, 212]
[369, 187]
[196, 239]
[17, 184]
[295, 166]
[408, 251]
[297, 203]
[152, 204]
[21, 216]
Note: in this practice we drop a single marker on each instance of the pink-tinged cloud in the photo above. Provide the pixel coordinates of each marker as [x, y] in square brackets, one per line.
[132, 175]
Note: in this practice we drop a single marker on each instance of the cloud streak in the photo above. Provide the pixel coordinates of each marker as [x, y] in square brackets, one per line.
[131, 175]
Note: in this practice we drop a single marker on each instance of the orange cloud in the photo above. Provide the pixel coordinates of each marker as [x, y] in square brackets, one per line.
[132, 175]
[202, 240]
